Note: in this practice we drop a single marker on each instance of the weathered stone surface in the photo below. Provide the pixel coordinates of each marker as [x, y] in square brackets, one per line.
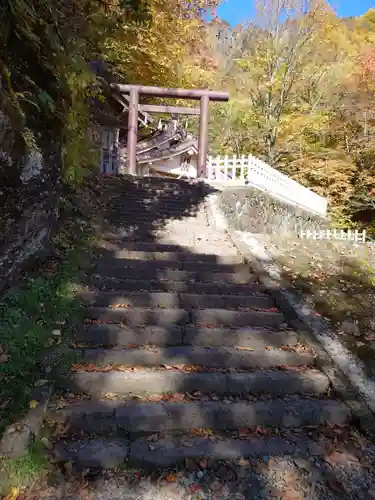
[212, 357]
[123, 335]
[224, 317]
[146, 299]
[230, 259]
[248, 209]
[247, 301]
[198, 301]
[140, 246]
[190, 287]
[217, 266]
[115, 269]
[98, 383]
[278, 382]
[142, 417]
[286, 412]
[289, 412]
[256, 338]
[157, 382]
[167, 453]
[117, 260]
[140, 316]
[93, 453]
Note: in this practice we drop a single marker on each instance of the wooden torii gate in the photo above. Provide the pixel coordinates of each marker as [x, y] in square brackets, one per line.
[135, 91]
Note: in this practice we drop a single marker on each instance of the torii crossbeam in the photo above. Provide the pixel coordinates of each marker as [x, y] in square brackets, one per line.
[204, 96]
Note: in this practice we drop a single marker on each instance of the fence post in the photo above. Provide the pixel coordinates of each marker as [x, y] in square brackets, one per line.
[234, 166]
[225, 167]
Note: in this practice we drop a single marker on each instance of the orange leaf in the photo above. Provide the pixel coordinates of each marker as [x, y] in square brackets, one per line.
[172, 478]
[107, 368]
[178, 397]
[123, 368]
[155, 398]
[90, 368]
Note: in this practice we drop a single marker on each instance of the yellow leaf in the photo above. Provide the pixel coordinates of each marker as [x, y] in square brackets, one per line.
[33, 403]
[13, 494]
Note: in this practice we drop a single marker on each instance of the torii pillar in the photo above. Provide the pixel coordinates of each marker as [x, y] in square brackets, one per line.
[204, 96]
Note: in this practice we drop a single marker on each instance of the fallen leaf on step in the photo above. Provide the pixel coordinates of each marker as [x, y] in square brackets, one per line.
[110, 395]
[340, 458]
[178, 397]
[124, 368]
[90, 368]
[107, 368]
[180, 367]
[155, 398]
[172, 478]
[13, 494]
[201, 432]
[33, 404]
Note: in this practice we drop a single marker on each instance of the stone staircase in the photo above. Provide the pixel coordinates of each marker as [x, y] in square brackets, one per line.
[183, 353]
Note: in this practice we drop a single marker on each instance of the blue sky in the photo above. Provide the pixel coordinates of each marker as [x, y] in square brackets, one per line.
[237, 11]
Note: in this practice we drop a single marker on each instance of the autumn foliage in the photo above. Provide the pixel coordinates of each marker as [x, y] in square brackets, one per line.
[301, 80]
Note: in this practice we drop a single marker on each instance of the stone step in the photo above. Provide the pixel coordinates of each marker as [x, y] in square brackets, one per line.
[214, 318]
[146, 204]
[142, 246]
[149, 299]
[146, 273]
[175, 256]
[103, 417]
[118, 258]
[159, 198]
[173, 451]
[209, 357]
[125, 335]
[202, 317]
[198, 287]
[156, 381]
[169, 335]
[140, 316]
[256, 338]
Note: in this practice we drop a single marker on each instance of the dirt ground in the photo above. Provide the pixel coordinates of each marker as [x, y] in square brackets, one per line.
[337, 278]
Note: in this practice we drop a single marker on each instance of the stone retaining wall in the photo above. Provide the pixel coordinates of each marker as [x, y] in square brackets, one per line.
[250, 210]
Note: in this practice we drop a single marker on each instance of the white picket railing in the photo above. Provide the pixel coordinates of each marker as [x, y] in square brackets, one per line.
[252, 171]
[335, 234]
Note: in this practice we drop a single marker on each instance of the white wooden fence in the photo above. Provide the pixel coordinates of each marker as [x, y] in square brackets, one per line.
[248, 170]
[335, 234]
